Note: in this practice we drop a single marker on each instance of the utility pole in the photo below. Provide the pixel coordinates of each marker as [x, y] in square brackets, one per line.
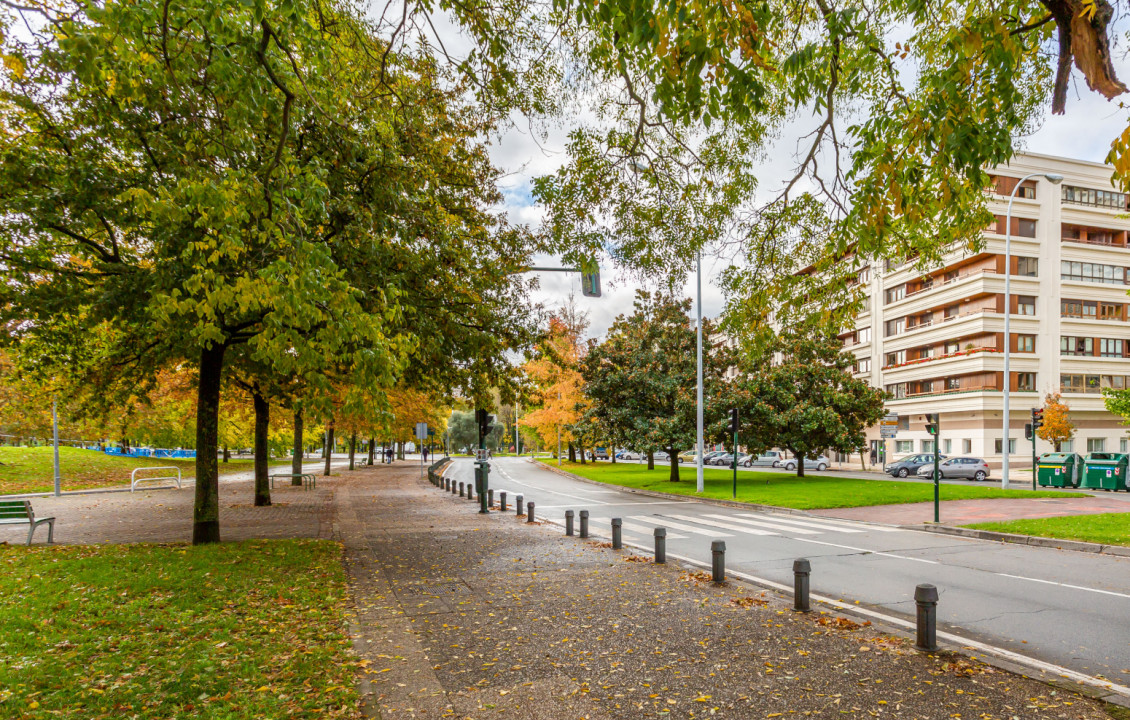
[700, 486]
[734, 432]
[1037, 423]
[933, 427]
[55, 431]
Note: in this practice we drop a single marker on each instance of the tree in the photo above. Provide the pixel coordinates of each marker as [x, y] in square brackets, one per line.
[556, 395]
[641, 380]
[806, 401]
[1058, 427]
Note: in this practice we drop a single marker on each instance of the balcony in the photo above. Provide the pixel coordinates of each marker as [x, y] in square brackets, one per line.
[959, 353]
[956, 391]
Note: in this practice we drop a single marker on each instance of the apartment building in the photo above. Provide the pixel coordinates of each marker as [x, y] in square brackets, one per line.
[935, 341]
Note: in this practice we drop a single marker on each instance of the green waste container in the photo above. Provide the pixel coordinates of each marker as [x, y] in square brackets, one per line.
[1106, 471]
[1059, 470]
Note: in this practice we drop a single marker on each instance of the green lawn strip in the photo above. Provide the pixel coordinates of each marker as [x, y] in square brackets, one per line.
[770, 488]
[32, 469]
[234, 630]
[1103, 528]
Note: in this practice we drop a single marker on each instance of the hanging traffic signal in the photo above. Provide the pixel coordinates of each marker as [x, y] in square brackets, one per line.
[590, 284]
[1037, 419]
[733, 421]
[485, 420]
[932, 423]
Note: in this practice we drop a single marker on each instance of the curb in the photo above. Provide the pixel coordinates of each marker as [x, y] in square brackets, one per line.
[1033, 540]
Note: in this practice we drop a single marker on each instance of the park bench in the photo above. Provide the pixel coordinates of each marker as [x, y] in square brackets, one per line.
[19, 512]
[309, 480]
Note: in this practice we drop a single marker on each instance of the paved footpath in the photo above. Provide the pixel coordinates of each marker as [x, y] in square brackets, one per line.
[470, 616]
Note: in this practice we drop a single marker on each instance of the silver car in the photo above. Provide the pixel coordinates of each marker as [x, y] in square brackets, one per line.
[814, 463]
[958, 467]
[767, 459]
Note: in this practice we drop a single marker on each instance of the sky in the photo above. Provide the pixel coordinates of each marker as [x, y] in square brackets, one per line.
[1084, 132]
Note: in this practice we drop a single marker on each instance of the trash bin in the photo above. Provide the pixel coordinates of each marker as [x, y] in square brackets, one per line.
[1059, 470]
[1106, 471]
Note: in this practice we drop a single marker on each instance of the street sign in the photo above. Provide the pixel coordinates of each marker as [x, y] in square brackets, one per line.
[889, 426]
[481, 455]
[421, 431]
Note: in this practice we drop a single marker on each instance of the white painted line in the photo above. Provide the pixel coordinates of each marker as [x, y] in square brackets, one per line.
[855, 524]
[650, 531]
[770, 526]
[724, 526]
[663, 522]
[1066, 585]
[868, 551]
[808, 524]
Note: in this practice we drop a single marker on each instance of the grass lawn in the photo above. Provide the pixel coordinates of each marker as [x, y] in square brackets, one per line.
[32, 469]
[1105, 528]
[808, 493]
[233, 630]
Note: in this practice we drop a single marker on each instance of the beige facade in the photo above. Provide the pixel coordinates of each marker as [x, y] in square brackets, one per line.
[936, 341]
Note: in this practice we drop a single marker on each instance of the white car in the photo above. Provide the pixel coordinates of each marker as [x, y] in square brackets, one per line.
[629, 455]
[816, 463]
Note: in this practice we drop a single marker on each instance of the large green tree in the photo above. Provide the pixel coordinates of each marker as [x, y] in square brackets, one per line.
[801, 395]
[641, 380]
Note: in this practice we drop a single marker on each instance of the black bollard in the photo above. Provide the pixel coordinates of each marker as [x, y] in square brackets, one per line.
[461, 490]
[569, 522]
[926, 598]
[660, 545]
[502, 500]
[584, 523]
[490, 497]
[470, 491]
[617, 537]
[518, 499]
[530, 511]
[801, 570]
[718, 561]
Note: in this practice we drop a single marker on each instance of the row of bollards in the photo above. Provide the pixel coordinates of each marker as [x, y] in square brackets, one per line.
[925, 595]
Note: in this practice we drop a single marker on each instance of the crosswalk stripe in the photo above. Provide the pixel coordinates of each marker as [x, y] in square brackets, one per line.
[662, 521]
[724, 526]
[808, 524]
[841, 525]
[603, 522]
[768, 525]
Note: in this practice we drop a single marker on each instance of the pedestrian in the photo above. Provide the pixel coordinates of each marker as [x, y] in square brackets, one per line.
[424, 452]
[874, 456]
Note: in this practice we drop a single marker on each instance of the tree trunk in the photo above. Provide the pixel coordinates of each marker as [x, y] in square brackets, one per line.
[227, 453]
[296, 461]
[206, 504]
[572, 453]
[372, 449]
[329, 451]
[799, 464]
[650, 459]
[262, 423]
[673, 457]
[862, 462]
[612, 454]
[352, 449]
[582, 448]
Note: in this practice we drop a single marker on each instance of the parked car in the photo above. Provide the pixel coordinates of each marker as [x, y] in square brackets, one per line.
[772, 458]
[687, 457]
[909, 465]
[816, 463]
[601, 454]
[725, 459]
[628, 455]
[958, 467]
[659, 455]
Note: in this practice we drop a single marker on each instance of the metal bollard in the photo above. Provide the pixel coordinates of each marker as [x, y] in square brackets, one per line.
[584, 523]
[502, 500]
[530, 511]
[660, 545]
[926, 598]
[470, 491]
[518, 499]
[718, 561]
[569, 522]
[461, 490]
[617, 537]
[447, 484]
[801, 570]
[490, 497]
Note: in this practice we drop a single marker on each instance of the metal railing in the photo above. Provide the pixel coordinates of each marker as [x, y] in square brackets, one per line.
[134, 479]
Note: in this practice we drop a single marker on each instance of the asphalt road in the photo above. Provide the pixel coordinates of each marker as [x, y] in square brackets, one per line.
[1062, 607]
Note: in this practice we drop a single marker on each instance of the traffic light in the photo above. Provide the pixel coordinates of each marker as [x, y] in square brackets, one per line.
[733, 421]
[1027, 431]
[932, 423]
[1037, 419]
[590, 283]
[485, 420]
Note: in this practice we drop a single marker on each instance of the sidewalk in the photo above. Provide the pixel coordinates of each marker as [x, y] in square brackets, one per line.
[471, 616]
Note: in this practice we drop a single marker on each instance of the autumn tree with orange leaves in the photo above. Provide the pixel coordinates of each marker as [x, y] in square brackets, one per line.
[1057, 426]
[557, 398]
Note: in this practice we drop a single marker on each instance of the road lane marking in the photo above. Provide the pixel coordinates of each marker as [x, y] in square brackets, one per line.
[633, 528]
[1066, 585]
[806, 523]
[836, 524]
[724, 526]
[770, 526]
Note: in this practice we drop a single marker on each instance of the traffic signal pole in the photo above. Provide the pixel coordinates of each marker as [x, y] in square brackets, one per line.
[734, 430]
[933, 426]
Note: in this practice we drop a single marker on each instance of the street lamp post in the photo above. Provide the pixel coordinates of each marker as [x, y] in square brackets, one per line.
[1054, 180]
[698, 367]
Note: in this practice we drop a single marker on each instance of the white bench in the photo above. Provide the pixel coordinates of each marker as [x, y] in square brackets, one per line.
[134, 479]
[19, 512]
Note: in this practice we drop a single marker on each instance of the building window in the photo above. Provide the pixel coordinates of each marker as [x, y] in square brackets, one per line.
[863, 335]
[1026, 228]
[953, 383]
[904, 447]
[896, 293]
[1097, 198]
[895, 358]
[1123, 445]
[895, 327]
[1027, 192]
[1092, 272]
[1026, 266]
[951, 347]
[966, 446]
[1095, 445]
[1070, 308]
[864, 274]
[1025, 305]
[1069, 345]
[947, 446]
[926, 446]
[1067, 446]
[897, 390]
[1110, 311]
[1026, 343]
[863, 365]
[1110, 347]
[1026, 382]
[1011, 446]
